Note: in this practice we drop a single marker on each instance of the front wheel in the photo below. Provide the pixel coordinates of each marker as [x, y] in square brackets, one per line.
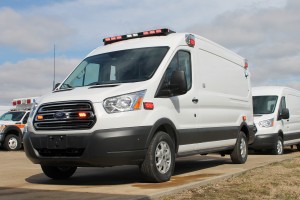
[58, 173]
[278, 148]
[159, 162]
[240, 152]
[12, 143]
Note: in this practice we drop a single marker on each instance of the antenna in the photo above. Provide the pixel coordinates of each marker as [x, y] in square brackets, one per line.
[54, 68]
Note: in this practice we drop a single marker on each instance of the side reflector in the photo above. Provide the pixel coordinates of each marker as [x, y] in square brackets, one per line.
[244, 118]
[148, 105]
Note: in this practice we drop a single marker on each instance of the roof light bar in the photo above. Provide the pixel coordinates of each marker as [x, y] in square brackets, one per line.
[157, 32]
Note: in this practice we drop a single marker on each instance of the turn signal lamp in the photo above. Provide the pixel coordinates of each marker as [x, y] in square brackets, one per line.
[246, 64]
[244, 118]
[82, 115]
[40, 117]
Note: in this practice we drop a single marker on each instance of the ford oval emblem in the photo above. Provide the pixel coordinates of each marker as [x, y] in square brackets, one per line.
[60, 115]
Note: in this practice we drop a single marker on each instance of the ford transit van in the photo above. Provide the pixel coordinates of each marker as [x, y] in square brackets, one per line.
[277, 118]
[144, 99]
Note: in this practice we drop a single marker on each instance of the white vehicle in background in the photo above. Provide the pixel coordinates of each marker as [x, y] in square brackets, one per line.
[277, 118]
[12, 123]
[144, 99]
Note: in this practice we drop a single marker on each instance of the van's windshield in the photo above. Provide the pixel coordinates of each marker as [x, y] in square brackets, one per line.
[264, 104]
[124, 66]
[12, 116]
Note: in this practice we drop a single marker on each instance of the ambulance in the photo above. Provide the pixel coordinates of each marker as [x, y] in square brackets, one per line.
[144, 99]
[12, 123]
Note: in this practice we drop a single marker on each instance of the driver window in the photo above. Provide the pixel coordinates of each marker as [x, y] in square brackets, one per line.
[182, 62]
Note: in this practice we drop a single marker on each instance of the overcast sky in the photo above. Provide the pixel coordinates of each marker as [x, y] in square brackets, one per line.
[266, 32]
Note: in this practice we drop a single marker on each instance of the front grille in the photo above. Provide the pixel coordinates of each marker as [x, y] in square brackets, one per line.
[65, 116]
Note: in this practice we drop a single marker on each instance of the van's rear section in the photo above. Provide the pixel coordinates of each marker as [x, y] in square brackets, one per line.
[144, 99]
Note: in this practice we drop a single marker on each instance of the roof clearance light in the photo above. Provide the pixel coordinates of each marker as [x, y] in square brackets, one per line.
[163, 31]
[246, 64]
[190, 40]
[148, 105]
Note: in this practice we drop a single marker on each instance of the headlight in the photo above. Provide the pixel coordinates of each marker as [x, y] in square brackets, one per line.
[126, 102]
[266, 123]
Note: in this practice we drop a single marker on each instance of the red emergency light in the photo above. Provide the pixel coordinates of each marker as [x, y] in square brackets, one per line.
[157, 32]
[14, 103]
[28, 101]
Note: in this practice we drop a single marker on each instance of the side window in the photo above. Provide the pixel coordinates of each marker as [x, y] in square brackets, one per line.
[182, 62]
[282, 105]
[25, 118]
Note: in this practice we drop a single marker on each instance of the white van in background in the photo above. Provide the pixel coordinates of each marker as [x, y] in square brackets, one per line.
[277, 118]
[144, 99]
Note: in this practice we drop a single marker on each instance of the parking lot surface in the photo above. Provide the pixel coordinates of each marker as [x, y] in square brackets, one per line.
[20, 179]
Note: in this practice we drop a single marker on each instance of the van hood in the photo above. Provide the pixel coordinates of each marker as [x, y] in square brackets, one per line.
[95, 94]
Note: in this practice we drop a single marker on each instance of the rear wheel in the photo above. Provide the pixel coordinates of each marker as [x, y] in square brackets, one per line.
[240, 152]
[12, 143]
[159, 162]
[58, 173]
[278, 148]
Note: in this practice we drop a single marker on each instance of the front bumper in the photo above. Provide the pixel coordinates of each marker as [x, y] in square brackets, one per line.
[100, 148]
[264, 141]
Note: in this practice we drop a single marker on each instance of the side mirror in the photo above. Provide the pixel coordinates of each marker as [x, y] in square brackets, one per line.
[178, 84]
[56, 85]
[285, 114]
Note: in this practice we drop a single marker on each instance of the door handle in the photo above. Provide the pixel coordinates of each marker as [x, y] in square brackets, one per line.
[194, 100]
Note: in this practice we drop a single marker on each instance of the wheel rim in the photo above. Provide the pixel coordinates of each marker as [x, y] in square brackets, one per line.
[243, 148]
[12, 143]
[163, 157]
[279, 147]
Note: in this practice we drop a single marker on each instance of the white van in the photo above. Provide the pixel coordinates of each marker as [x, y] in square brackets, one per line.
[144, 99]
[277, 118]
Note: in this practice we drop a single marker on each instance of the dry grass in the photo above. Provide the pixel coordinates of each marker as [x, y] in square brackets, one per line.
[276, 181]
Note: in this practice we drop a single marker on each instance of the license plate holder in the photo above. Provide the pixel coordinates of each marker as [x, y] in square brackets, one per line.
[57, 142]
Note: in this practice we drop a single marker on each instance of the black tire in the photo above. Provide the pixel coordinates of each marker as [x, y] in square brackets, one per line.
[163, 172]
[298, 147]
[278, 148]
[58, 173]
[239, 154]
[12, 143]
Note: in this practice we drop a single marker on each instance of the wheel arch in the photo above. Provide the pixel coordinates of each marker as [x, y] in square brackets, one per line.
[167, 126]
[12, 130]
[244, 127]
